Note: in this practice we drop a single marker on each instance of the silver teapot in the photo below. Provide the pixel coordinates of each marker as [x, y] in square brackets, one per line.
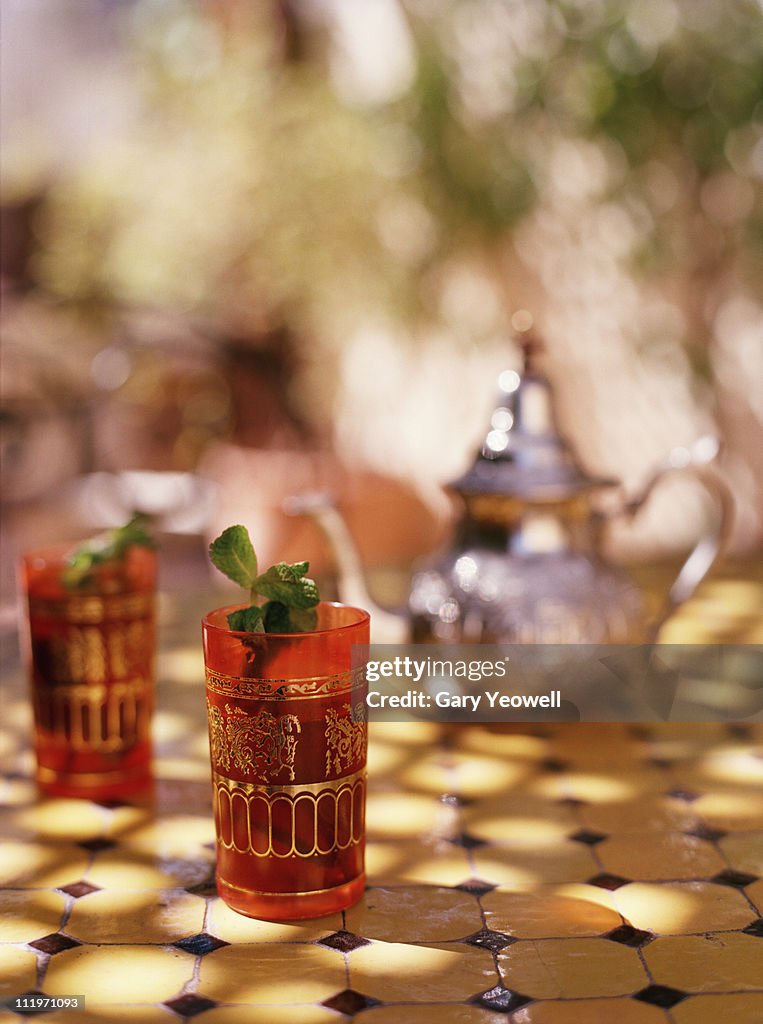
[525, 563]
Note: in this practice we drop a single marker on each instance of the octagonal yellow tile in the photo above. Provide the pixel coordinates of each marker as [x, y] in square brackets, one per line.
[414, 914]
[589, 1011]
[666, 855]
[676, 908]
[572, 968]
[75, 820]
[26, 915]
[744, 851]
[401, 972]
[720, 962]
[136, 916]
[131, 869]
[18, 971]
[745, 1008]
[257, 974]
[112, 1014]
[226, 924]
[436, 863]
[119, 974]
[431, 1013]
[546, 914]
[288, 1014]
[34, 865]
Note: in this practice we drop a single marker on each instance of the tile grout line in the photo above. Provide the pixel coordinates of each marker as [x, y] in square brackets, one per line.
[346, 956]
[473, 869]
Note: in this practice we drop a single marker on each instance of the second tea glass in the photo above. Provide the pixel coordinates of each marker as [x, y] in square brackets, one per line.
[90, 655]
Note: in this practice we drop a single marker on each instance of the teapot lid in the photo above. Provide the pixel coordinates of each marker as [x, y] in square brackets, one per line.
[523, 454]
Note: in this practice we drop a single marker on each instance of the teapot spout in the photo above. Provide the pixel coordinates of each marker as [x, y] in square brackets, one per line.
[386, 627]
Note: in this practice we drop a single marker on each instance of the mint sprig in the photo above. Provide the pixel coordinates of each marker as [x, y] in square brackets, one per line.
[290, 595]
[110, 546]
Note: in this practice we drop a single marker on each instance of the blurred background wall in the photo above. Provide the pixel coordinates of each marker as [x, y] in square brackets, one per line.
[258, 248]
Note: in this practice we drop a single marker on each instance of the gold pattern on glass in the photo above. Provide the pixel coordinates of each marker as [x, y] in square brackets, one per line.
[283, 689]
[346, 736]
[96, 717]
[285, 895]
[94, 609]
[93, 654]
[80, 656]
[245, 817]
[260, 745]
[45, 774]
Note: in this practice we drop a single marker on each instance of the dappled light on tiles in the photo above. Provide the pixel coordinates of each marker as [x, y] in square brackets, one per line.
[406, 814]
[592, 788]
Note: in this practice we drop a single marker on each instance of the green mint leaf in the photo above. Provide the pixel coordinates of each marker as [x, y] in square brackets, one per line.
[246, 620]
[303, 620]
[290, 595]
[294, 571]
[232, 553]
[136, 533]
[78, 569]
[276, 617]
[107, 547]
[288, 583]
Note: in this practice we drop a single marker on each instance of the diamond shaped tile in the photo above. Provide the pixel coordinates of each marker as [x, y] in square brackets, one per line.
[190, 1005]
[487, 939]
[703, 831]
[344, 941]
[350, 1002]
[607, 881]
[501, 1000]
[54, 943]
[467, 842]
[475, 886]
[736, 879]
[200, 944]
[77, 889]
[206, 888]
[755, 928]
[685, 795]
[627, 935]
[96, 845]
[588, 838]
[660, 995]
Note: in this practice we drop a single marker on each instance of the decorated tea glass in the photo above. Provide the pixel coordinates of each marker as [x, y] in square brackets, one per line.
[90, 657]
[287, 735]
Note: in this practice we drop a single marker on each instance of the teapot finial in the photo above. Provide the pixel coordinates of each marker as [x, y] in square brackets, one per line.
[524, 454]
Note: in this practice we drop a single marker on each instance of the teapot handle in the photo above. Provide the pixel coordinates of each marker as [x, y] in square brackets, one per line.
[708, 549]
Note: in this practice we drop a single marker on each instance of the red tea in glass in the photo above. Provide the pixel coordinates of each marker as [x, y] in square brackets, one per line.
[287, 736]
[90, 653]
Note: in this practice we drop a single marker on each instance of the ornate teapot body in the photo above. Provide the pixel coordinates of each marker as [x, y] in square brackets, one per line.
[524, 575]
[525, 564]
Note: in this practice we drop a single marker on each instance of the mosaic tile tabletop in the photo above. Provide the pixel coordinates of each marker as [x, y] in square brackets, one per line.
[543, 875]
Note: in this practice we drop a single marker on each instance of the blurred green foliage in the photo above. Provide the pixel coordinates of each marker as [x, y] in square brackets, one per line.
[671, 83]
[249, 192]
